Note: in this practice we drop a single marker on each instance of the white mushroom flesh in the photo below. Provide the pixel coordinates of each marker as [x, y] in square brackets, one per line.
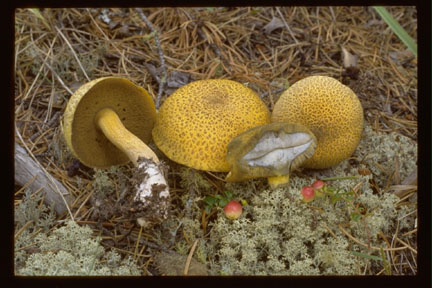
[275, 150]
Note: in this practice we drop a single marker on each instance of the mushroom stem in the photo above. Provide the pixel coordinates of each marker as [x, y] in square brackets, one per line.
[152, 190]
[277, 181]
[112, 127]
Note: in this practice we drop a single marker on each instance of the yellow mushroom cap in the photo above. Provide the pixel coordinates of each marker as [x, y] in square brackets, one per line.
[131, 103]
[195, 123]
[330, 110]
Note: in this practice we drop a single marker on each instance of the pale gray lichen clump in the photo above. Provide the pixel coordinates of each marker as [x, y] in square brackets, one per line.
[278, 234]
[71, 250]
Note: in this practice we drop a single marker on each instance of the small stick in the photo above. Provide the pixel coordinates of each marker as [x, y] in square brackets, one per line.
[161, 56]
[49, 124]
[73, 52]
[189, 258]
[366, 245]
[406, 244]
[138, 241]
[289, 29]
[27, 169]
[213, 46]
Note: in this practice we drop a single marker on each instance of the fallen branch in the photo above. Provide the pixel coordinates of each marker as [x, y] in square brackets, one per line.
[26, 169]
[164, 77]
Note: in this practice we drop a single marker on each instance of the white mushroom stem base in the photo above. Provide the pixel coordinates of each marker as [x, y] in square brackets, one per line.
[152, 193]
[152, 188]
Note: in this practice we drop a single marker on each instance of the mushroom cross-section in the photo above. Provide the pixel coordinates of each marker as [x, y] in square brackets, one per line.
[107, 122]
[195, 123]
[330, 110]
[271, 151]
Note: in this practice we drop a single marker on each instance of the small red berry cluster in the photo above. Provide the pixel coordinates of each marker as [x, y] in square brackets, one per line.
[316, 190]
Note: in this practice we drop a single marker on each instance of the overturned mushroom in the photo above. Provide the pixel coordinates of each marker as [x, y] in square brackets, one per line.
[107, 122]
[271, 151]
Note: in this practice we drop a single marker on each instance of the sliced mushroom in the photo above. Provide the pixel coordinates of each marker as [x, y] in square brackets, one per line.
[271, 151]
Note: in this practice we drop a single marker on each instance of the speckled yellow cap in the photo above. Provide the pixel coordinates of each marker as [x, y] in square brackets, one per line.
[195, 123]
[330, 110]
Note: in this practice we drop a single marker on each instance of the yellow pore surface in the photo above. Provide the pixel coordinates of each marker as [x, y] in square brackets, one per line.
[330, 110]
[195, 123]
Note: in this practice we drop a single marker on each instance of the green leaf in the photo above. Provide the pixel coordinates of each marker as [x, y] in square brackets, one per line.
[210, 200]
[208, 209]
[223, 203]
[397, 29]
[364, 255]
[38, 14]
[229, 194]
[355, 216]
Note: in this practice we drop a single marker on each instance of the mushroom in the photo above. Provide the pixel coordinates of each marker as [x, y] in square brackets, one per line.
[330, 110]
[196, 122]
[271, 151]
[107, 122]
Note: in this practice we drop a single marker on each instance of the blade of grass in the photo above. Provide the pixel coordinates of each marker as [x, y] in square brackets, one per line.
[397, 29]
[38, 14]
[364, 255]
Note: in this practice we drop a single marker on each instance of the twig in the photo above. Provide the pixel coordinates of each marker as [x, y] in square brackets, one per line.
[407, 245]
[329, 230]
[164, 77]
[273, 92]
[289, 29]
[366, 245]
[213, 46]
[138, 240]
[189, 258]
[151, 70]
[59, 79]
[56, 187]
[73, 52]
[49, 124]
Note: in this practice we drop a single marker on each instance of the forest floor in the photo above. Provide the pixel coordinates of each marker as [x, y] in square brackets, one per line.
[268, 49]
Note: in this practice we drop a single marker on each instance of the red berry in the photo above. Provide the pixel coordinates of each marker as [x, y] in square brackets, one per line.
[308, 193]
[233, 210]
[317, 186]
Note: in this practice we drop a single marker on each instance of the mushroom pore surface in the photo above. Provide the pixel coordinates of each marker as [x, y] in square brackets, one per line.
[133, 106]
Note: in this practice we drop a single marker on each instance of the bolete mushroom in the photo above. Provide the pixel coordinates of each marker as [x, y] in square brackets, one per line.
[330, 110]
[196, 122]
[271, 151]
[107, 122]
